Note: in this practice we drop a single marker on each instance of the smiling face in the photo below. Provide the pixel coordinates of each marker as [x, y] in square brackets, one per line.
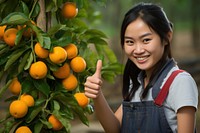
[142, 45]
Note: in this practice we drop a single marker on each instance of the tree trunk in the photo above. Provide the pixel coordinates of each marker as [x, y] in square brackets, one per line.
[41, 19]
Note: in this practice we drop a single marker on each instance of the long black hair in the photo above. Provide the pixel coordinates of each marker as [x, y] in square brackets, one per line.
[154, 16]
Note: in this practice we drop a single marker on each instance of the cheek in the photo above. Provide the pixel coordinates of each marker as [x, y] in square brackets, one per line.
[127, 50]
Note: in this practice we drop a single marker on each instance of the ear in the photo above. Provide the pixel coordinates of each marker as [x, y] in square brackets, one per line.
[170, 36]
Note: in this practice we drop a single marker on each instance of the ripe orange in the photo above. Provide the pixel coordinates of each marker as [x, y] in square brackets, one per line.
[71, 50]
[23, 129]
[58, 55]
[69, 10]
[10, 36]
[82, 100]
[15, 86]
[78, 64]
[38, 70]
[56, 124]
[40, 51]
[62, 72]
[2, 30]
[18, 109]
[28, 99]
[70, 83]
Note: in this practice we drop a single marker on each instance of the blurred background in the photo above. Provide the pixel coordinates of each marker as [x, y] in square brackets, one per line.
[184, 14]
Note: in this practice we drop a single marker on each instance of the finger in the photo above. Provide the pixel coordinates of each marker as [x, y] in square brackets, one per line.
[98, 69]
[89, 95]
[91, 91]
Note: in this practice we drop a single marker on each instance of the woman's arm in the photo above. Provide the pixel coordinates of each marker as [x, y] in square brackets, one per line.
[186, 119]
[104, 113]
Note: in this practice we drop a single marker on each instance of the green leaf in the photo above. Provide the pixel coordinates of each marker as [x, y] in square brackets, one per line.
[35, 111]
[13, 57]
[4, 88]
[36, 10]
[26, 85]
[42, 86]
[79, 111]
[43, 38]
[66, 99]
[63, 41]
[4, 50]
[51, 5]
[38, 127]
[97, 41]
[109, 54]
[109, 76]
[24, 8]
[95, 33]
[23, 61]
[114, 67]
[65, 122]
[45, 122]
[8, 7]
[56, 105]
[15, 18]
[29, 61]
[19, 36]
[55, 28]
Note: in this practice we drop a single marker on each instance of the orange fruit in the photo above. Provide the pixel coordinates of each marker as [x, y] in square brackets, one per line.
[23, 129]
[28, 99]
[70, 83]
[78, 64]
[72, 51]
[18, 109]
[69, 10]
[10, 36]
[58, 55]
[40, 51]
[15, 86]
[2, 30]
[38, 70]
[56, 124]
[82, 100]
[62, 72]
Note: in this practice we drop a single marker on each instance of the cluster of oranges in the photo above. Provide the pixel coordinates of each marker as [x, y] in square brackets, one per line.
[59, 55]
[19, 108]
[67, 60]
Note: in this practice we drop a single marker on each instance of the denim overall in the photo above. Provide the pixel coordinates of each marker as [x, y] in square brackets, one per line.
[145, 116]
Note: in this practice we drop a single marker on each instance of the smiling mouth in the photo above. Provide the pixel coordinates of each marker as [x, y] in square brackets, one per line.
[142, 58]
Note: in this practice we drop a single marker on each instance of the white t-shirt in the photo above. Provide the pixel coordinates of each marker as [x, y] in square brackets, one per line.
[183, 92]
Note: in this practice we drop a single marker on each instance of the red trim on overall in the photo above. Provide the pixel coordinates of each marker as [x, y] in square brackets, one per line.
[165, 89]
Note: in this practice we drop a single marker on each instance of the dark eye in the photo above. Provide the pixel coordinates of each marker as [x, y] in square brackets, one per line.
[129, 42]
[146, 40]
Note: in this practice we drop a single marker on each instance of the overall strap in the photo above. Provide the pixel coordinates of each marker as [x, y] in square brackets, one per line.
[158, 79]
[165, 89]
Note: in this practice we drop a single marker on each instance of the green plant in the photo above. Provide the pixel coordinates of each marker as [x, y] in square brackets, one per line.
[52, 30]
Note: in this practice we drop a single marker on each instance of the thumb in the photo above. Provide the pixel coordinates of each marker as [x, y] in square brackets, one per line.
[98, 69]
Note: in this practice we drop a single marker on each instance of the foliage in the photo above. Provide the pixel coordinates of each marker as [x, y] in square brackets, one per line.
[49, 94]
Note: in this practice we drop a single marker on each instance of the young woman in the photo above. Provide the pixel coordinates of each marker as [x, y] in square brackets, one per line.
[146, 36]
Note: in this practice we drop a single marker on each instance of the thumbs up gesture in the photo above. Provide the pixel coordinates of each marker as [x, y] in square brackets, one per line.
[93, 83]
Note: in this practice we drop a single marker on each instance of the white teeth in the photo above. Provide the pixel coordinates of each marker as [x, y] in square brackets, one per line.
[141, 58]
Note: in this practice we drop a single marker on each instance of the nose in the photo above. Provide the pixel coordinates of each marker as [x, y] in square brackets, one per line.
[138, 49]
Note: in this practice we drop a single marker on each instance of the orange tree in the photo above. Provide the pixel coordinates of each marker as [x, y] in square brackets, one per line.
[39, 39]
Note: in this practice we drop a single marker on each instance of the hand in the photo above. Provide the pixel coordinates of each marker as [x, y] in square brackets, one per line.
[93, 83]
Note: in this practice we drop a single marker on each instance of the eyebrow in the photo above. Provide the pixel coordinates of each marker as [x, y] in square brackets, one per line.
[144, 35]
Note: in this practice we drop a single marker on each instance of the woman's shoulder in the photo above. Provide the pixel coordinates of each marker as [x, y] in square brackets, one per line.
[183, 91]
